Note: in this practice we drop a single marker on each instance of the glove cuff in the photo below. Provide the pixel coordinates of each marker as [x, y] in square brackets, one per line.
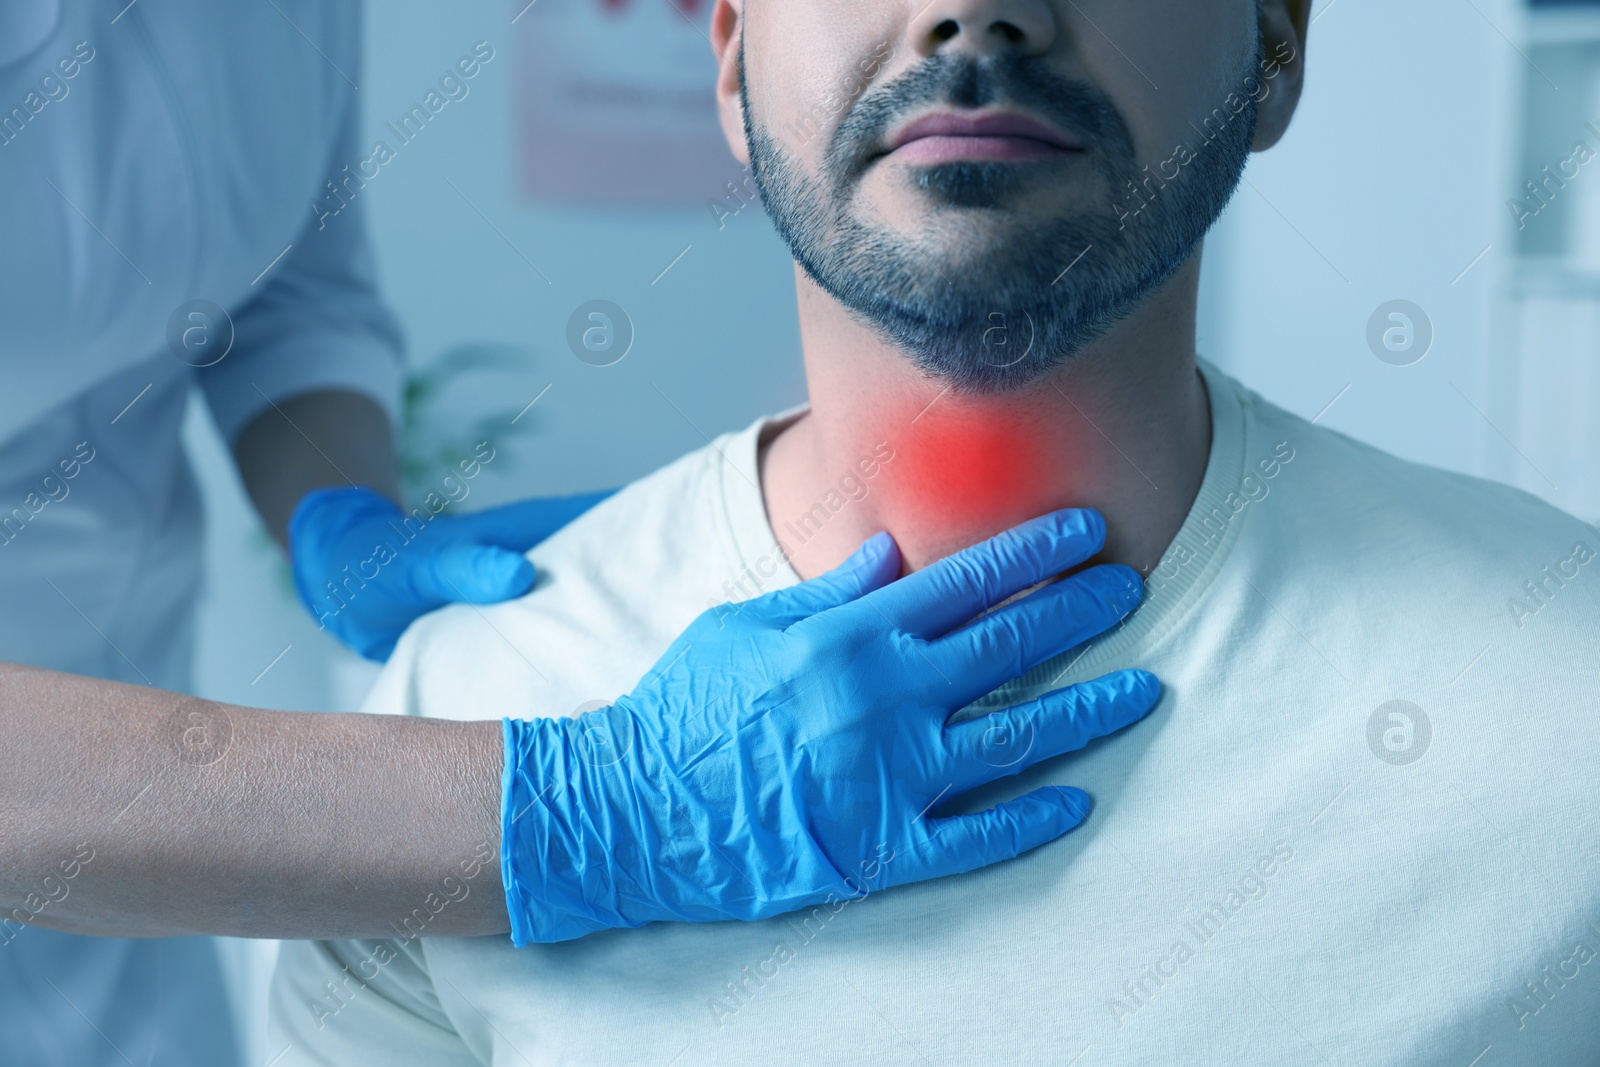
[545, 859]
[511, 794]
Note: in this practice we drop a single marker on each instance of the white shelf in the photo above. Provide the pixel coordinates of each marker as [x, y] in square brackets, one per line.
[1550, 277]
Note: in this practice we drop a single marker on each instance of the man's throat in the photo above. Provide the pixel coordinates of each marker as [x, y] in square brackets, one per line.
[943, 472]
[938, 479]
[959, 477]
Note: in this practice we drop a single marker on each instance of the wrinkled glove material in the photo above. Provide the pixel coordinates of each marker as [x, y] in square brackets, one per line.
[785, 752]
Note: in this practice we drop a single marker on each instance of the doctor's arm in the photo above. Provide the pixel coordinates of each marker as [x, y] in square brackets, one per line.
[130, 811]
[785, 752]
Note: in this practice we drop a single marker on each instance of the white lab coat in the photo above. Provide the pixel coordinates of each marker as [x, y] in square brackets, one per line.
[153, 154]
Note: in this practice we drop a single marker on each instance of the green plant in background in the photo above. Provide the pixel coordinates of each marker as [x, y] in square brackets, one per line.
[428, 446]
[429, 443]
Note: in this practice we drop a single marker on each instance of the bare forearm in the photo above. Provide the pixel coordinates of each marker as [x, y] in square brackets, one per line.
[310, 442]
[136, 812]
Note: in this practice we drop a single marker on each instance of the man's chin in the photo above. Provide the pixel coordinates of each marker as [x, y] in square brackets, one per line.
[976, 352]
[1035, 187]
[1017, 240]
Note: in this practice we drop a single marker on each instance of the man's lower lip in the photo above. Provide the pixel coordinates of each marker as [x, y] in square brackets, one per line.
[928, 151]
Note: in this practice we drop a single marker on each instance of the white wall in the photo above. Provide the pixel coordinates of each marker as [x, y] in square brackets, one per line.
[1391, 180]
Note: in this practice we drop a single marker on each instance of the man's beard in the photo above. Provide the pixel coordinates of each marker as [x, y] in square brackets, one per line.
[1002, 317]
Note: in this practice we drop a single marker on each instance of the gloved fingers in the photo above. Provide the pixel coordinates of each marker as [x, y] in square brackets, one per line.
[521, 525]
[1013, 639]
[470, 573]
[963, 843]
[939, 598]
[872, 566]
[1064, 720]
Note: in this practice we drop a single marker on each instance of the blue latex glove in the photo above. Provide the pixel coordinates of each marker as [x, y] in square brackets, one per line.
[365, 569]
[785, 752]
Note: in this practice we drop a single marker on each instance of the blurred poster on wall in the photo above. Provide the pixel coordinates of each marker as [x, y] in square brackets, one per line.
[617, 102]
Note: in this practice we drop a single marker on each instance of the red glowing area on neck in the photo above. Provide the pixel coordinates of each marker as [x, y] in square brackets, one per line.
[966, 476]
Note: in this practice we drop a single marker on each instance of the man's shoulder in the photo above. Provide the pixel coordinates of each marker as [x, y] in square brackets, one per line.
[1383, 549]
[614, 587]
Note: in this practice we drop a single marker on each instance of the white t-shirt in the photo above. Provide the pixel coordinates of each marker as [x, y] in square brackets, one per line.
[1282, 865]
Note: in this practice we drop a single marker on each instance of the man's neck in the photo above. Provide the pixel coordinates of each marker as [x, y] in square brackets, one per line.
[1123, 427]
